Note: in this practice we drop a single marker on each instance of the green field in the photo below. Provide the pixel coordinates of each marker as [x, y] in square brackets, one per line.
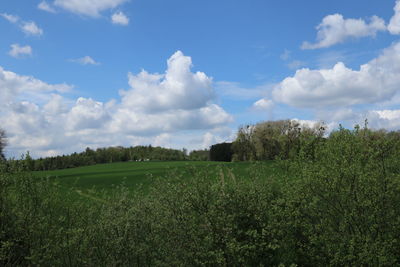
[136, 175]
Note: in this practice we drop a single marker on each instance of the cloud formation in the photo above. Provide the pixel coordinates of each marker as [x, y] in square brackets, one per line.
[120, 18]
[375, 81]
[10, 18]
[178, 88]
[17, 51]
[394, 24]
[91, 8]
[28, 27]
[16, 87]
[31, 28]
[334, 29]
[39, 118]
[46, 7]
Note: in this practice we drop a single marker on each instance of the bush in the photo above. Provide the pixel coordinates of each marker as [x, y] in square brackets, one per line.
[344, 209]
[338, 205]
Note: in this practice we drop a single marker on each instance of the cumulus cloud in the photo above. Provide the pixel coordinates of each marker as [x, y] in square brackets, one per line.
[30, 28]
[87, 114]
[86, 60]
[384, 119]
[19, 86]
[91, 8]
[140, 123]
[394, 24]
[18, 51]
[334, 29]
[120, 18]
[388, 119]
[375, 81]
[46, 7]
[170, 104]
[178, 88]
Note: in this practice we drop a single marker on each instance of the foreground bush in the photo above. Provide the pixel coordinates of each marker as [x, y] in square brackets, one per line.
[337, 204]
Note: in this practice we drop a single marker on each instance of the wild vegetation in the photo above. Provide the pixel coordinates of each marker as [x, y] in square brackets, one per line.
[335, 201]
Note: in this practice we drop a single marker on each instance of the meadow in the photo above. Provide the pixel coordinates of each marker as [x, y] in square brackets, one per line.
[136, 175]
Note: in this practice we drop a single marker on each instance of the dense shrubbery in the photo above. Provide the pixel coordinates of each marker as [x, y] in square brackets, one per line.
[336, 203]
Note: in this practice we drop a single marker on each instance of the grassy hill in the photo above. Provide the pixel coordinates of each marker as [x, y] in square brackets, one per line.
[135, 175]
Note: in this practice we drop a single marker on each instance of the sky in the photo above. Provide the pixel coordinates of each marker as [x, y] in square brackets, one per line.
[188, 74]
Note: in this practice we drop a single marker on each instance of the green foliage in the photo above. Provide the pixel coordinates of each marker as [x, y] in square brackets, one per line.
[273, 139]
[2, 144]
[200, 155]
[221, 152]
[344, 208]
[334, 203]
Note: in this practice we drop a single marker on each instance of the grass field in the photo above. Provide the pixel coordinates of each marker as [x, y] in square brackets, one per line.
[135, 175]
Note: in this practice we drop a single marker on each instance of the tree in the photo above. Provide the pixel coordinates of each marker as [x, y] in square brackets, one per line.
[270, 139]
[243, 146]
[221, 152]
[2, 144]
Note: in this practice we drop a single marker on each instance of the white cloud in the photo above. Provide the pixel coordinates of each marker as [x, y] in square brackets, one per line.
[31, 28]
[91, 8]
[10, 18]
[46, 7]
[394, 24]
[140, 123]
[263, 104]
[384, 119]
[178, 88]
[120, 18]
[388, 119]
[38, 118]
[375, 81]
[28, 27]
[87, 114]
[18, 86]
[334, 29]
[18, 51]
[86, 60]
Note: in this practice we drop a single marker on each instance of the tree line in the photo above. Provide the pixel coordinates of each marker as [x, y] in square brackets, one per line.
[268, 140]
[101, 155]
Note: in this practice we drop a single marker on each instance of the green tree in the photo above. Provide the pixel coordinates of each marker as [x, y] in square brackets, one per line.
[2, 144]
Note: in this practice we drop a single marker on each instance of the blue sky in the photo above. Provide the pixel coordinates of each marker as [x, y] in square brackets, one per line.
[188, 73]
